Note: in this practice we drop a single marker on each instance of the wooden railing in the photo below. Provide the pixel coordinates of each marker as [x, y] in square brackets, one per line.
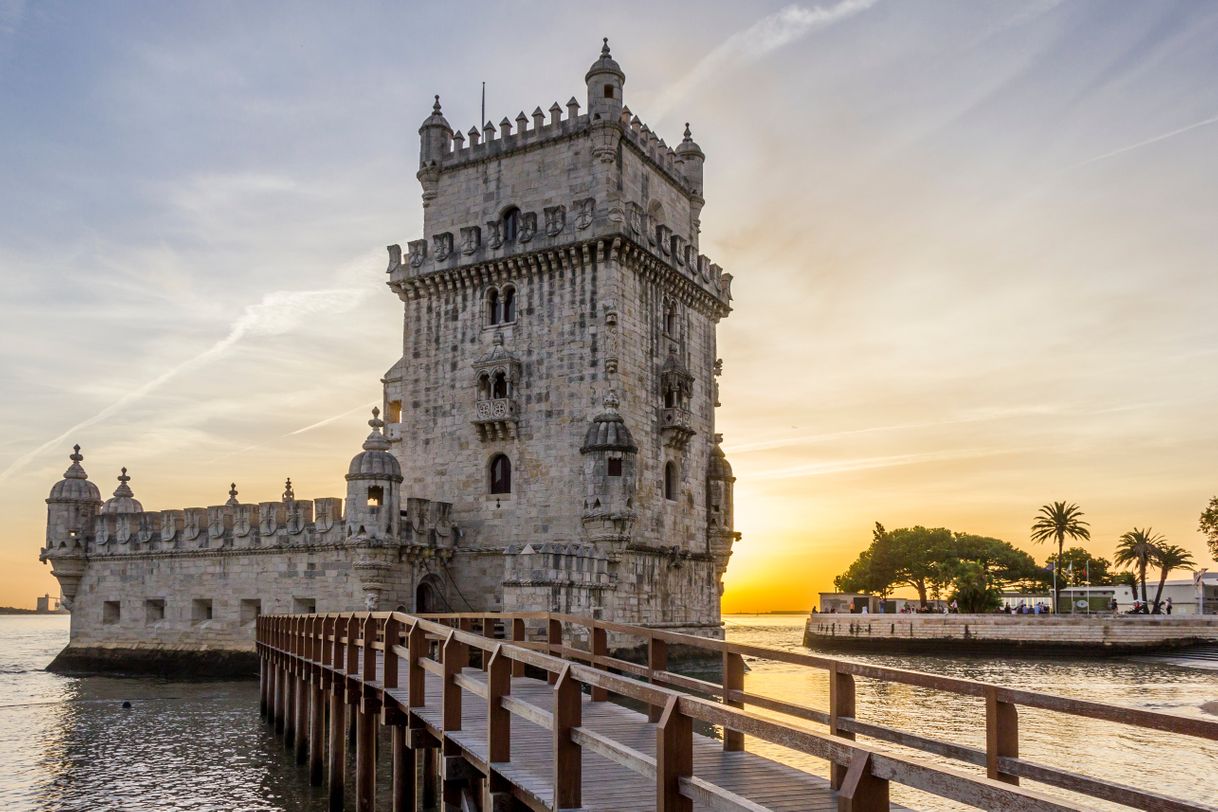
[306, 658]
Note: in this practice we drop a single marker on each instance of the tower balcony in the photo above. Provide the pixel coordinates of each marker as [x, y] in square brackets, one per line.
[496, 418]
[676, 426]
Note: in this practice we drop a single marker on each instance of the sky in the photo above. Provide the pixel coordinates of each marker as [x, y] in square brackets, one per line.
[974, 249]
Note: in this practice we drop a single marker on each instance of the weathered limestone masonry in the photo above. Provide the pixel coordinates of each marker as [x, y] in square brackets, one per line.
[549, 441]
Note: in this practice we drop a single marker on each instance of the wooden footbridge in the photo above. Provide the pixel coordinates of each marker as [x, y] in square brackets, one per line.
[533, 711]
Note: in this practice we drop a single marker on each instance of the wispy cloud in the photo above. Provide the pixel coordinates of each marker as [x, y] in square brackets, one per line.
[774, 31]
[278, 313]
[1156, 139]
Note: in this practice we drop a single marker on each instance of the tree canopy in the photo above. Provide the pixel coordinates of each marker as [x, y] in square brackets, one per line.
[934, 560]
[1079, 568]
[1209, 526]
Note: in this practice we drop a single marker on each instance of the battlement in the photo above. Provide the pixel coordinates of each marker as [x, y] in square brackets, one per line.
[556, 228]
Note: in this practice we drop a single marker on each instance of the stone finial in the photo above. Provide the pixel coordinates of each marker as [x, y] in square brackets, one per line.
[522, 122]
[555, 113]
[74, 470]
[288, 494]
[718, 438]
[488, 131]
[498, 339]
[435, 108]
[123, 488]
[539, 118]
[604, 50]
[611, 401]
[572, 108]
[689, 136]
[474, 136]
[232, 494]
[377, 441]
[505, 127]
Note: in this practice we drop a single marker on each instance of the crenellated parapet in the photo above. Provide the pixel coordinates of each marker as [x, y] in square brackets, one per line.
[556, 564]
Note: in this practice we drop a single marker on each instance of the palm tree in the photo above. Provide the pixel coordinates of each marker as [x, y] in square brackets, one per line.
[1056, 521]
[1170, 557]
[1138, 547]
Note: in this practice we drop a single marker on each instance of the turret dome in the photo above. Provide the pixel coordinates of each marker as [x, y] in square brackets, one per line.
[124, 500]
[607, 431]
[75, 485]
[605, 64]
[375, 461]
[436, 119]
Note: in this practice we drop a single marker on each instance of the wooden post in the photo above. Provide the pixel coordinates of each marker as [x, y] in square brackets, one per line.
[303, 689]
[317, 733]
[430, 774]
[403, 771]
[456, 657]
[657, 660]
[1001, 735]
[365, 760]
[568, 756]
[262, 685]
[281, 700]
[860, 790]
[600, 648]
[841, 705]
[498, 719]
[733, 680]
[393, 637]
[367, 671]
[674, 757]
[518, 635]
[337, 752]
[417, 643]
[272, 706]
[554, 637]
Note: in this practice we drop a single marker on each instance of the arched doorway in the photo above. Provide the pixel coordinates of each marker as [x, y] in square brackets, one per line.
[427, 596]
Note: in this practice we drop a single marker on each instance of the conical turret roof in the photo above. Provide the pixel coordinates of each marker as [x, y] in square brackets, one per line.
[75, 484]
[375, 460]
[607, 431]
[124, 500]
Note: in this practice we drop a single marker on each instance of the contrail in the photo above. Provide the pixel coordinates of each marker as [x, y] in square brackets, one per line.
[278, 312]
[868, 463]
[1147, 142]
[332, 418]
[768, 34]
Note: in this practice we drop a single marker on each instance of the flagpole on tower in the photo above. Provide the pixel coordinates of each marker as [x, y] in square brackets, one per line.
[483, 118]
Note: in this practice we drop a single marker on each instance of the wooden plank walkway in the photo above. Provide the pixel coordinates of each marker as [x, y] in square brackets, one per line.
[607, 784]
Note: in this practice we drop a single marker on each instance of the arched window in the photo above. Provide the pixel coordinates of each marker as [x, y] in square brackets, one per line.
[484, 386]
[511, 224]
[501, 474]
[494, 308]
[670, 319]
[670, 481]
[499, 386]
[509, 304]
[376, 496]
[670, 398]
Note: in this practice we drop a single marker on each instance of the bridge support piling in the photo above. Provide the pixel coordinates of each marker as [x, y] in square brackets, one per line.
[280, 698]
[304, 690]
[337, 761]
[365, 761]
[317, 734]
[403, 770]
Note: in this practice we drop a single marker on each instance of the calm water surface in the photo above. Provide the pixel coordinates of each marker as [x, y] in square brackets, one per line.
[67, 744]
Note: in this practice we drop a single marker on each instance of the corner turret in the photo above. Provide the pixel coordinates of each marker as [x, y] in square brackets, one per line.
[124, 500]
[605, 81]
[609, 453]
[435, 139]
[372, 488]
[71, 512]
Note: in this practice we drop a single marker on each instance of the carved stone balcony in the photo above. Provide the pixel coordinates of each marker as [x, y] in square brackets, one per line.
[676, 426]
[496, 418]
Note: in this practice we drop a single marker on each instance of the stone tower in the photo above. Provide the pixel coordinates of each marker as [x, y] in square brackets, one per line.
[556, 392]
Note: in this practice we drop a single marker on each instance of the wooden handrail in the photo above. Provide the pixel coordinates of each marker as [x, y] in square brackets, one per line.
[329, 642]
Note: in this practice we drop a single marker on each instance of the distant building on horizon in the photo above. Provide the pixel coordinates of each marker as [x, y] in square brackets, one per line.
[48, 605]
[548, 441]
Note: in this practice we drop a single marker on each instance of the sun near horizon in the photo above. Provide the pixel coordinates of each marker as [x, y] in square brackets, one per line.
[973, 251]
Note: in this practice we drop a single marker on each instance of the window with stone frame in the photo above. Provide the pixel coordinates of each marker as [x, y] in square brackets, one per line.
[500, 305]
[511, 224]
[500, 471]
[376, 496]
[672, 485]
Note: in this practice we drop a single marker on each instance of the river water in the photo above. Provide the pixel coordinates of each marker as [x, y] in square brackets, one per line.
[67, 743]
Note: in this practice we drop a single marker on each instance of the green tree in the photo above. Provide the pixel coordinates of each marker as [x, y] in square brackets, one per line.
[932, 562]
[1077, 564]
[1209, 526]
[1056, 521]
[1137, 548]
[974, 591]
[1170, 557]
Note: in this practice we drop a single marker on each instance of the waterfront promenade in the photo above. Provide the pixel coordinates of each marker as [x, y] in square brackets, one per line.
[514, 711]
[1078, 635]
